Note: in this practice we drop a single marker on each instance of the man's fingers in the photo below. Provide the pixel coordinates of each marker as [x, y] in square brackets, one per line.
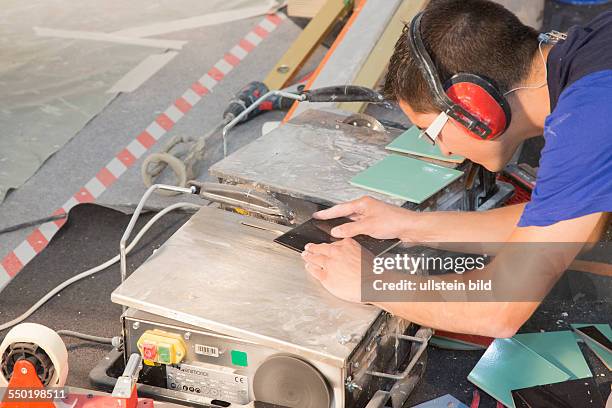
[315, 258]
[340, 210]
[350, 229]
[345, 209]
[316, 271]
[320, 249]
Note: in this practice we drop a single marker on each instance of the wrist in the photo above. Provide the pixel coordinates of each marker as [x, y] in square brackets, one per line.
[413, 226]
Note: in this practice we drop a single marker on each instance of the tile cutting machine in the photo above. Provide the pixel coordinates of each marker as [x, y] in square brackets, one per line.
[223, 316]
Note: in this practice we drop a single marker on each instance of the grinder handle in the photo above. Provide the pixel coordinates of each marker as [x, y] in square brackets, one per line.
[343, 93]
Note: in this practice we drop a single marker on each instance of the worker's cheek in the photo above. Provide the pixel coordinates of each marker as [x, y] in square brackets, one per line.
[455, 139]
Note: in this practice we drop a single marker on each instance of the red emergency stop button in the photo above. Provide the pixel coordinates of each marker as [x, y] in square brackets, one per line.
[149, 351]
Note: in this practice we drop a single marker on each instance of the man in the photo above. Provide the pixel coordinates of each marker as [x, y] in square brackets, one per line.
[563, 91]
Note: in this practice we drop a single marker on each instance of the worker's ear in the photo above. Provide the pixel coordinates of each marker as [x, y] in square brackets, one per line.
[481, 99]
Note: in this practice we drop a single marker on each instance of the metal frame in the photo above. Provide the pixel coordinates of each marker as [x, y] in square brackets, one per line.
[423, 345]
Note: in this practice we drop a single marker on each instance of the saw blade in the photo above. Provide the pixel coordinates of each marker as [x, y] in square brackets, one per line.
[291, 382]
[364, 120]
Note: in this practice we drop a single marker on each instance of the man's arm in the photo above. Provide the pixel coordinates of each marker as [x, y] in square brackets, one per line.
[453, 226]
[503, 319]
[338, 267]
[380, 220]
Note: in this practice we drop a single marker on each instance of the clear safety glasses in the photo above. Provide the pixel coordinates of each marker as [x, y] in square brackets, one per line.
[433, 131]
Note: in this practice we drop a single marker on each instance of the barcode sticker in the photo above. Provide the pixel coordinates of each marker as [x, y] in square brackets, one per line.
[207, 350]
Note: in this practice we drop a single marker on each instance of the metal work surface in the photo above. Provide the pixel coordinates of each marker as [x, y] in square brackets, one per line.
[222, 272]
[313, 157]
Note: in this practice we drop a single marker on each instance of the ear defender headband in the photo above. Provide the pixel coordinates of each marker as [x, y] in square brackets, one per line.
[469, 99]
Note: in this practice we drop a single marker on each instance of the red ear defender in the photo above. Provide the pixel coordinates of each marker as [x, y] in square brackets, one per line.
[471, 100]
[481, 99]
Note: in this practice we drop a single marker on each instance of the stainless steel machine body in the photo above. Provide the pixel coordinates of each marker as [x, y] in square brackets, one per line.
[223, 285]
[308, 163]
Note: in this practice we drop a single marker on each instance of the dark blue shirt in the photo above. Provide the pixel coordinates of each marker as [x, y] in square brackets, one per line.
[575, 175]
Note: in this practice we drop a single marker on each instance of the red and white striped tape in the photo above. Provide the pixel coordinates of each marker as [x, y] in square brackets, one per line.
[12, 263]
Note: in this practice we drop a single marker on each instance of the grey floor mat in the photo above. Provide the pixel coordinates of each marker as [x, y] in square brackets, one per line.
[129, 114]
[51, 87]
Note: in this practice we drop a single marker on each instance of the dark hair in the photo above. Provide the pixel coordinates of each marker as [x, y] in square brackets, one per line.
[475, 36]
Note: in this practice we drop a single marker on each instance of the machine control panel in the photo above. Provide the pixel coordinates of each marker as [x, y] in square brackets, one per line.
[158, 346]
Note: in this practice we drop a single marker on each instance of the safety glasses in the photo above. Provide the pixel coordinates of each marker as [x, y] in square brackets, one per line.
[433, 131]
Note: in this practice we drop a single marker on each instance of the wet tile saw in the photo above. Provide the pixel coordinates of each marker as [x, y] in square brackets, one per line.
[223, 316]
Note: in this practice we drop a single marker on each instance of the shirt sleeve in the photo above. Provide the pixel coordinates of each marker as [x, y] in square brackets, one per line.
[575, 175]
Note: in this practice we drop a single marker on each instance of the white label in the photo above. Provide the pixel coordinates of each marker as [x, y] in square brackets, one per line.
[207, 382]
[207, 350]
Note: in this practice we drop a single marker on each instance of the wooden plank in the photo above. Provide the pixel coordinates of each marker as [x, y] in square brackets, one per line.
[304, 8]
[376, 64]
[305, 44]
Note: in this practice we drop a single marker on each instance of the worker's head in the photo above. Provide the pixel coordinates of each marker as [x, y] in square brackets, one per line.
[465, 36]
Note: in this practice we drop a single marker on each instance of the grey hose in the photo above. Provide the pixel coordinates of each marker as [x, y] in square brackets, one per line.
[88, 337]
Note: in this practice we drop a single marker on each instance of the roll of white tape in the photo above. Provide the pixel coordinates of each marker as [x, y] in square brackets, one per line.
[46, 339]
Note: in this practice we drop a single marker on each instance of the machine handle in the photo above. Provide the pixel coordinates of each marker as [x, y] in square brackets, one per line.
[422, 336]
[343, 93]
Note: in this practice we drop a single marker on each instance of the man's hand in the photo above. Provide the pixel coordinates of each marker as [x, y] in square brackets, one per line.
[370, 217]
[337, 266]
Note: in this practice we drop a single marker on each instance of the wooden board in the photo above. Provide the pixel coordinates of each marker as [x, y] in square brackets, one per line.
[304, 8]
[305, 44]
[406, 178]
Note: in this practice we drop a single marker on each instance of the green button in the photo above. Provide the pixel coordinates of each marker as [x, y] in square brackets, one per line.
[163, 355]
[239, 358]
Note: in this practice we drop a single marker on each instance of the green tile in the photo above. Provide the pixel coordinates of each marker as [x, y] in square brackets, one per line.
[239, 358]
[509, 365]
[406, 178]
[559, 348]
[409, 142]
